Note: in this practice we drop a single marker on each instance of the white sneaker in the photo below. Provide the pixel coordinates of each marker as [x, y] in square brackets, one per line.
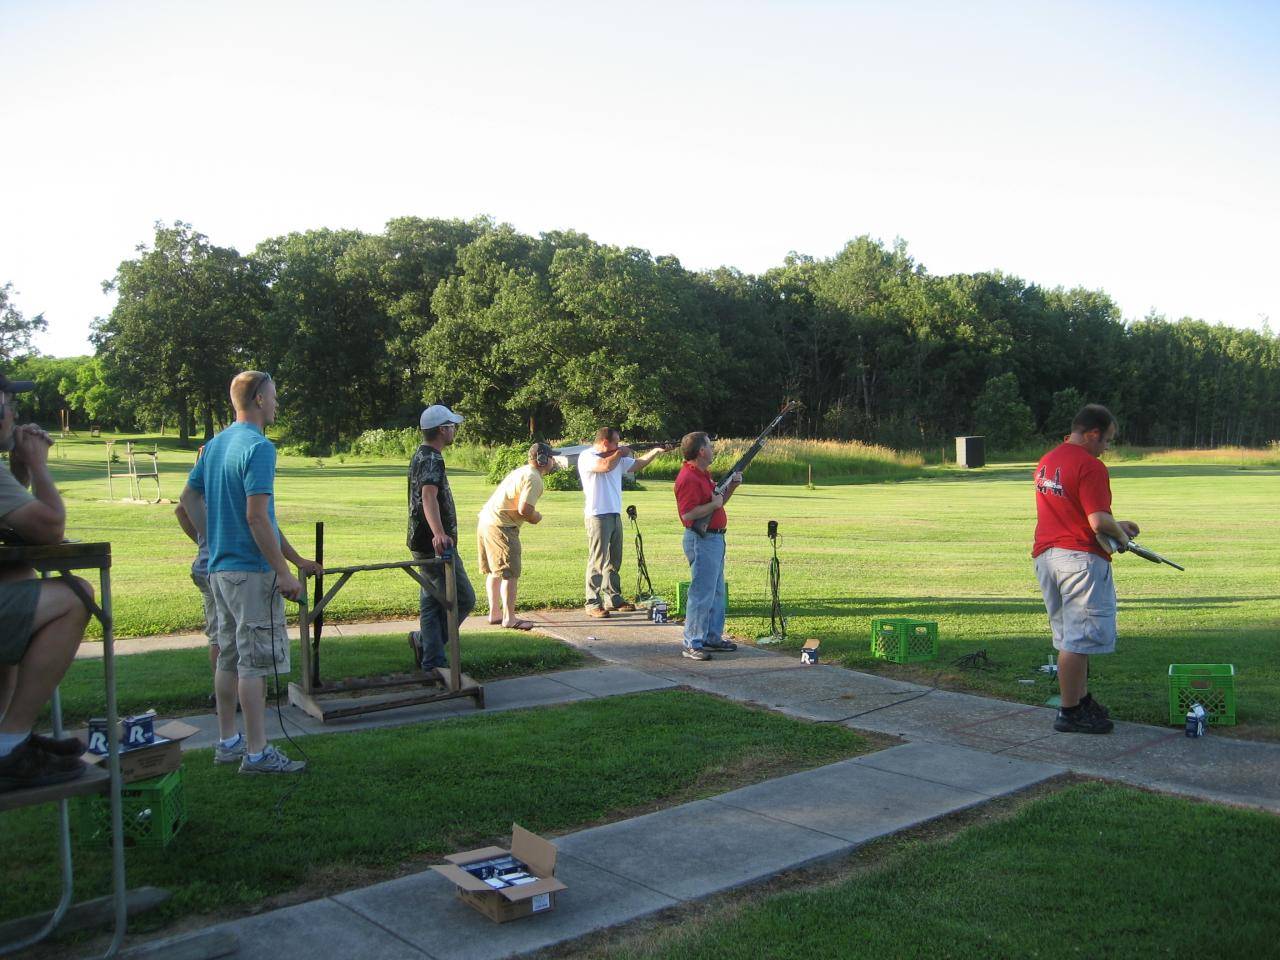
[231, 754]
[271, 761]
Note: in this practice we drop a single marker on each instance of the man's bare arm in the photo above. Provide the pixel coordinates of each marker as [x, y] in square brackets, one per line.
[44, 519]
[646, 459]
[192, 501]
[185, 523]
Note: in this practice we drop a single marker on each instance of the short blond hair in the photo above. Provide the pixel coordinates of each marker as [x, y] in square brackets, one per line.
[245, 386]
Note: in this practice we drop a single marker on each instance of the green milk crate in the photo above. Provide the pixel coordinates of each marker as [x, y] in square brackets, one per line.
[682, 591]
[903, 640]
[1212, 685]
[153, 811]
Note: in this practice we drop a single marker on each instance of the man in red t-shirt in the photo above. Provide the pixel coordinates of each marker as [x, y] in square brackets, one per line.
[1073, 511]
[696, 498]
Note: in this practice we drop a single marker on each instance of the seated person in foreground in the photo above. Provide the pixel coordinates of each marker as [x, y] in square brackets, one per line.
[41, 621]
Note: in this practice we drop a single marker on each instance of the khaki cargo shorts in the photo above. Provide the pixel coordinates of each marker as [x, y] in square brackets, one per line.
[499, 549]
[201, 580]
[252, 640]
[1080, 597]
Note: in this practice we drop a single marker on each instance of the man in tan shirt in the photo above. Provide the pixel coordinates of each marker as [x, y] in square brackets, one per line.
[509, 508]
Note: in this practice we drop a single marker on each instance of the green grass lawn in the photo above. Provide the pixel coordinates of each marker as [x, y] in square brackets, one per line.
[951, 547]
[178, 681]
[375, 802]
[1092, 871]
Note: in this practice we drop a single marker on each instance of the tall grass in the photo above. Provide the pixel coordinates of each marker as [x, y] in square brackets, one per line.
[788, 461]
[1268, 456]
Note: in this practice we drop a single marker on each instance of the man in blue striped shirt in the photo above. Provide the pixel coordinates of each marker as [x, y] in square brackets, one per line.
[230, 499]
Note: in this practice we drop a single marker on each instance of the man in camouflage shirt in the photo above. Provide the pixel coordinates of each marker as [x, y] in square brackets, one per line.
[433, 531]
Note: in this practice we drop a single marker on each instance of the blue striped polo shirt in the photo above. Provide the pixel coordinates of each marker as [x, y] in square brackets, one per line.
[237, 464]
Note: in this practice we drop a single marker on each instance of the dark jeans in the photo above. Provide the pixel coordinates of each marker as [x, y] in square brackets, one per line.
[433, 623]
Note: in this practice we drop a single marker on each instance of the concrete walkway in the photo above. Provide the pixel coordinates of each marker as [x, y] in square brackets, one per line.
[1214, 767]
[963, 751]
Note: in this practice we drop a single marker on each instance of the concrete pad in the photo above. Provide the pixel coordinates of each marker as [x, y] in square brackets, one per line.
[851, 801]
[699, 848]
[961, 767]
[774, 688]
[610, 681]
[923, 717]
[320, 928]
[424, 910]
[1215, 768]
[1073, 749]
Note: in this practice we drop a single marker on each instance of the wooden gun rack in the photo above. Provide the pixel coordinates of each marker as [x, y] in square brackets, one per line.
[444, 683]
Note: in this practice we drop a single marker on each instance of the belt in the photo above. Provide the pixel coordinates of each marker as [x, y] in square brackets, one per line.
[720, 531]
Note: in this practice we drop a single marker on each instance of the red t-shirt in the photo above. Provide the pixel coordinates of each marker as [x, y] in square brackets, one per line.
[694, 487]
[1071, 483]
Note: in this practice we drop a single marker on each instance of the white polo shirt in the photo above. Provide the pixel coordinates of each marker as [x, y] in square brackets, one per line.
[603, 491]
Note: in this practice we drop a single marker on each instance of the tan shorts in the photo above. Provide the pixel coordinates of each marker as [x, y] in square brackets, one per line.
[499, 549]
[252, 640]
[201, 580]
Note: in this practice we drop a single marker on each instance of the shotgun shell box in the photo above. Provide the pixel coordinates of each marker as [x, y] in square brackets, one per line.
[139, 730]
[526, 874]
[161, 755]
[809, 652]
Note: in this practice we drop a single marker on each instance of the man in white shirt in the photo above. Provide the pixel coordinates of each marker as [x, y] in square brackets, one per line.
[601, 469]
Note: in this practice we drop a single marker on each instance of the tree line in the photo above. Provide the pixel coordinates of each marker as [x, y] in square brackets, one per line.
[554, 334]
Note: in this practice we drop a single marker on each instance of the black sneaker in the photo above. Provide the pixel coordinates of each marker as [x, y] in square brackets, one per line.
[29, 766]
[1081, 719]
[1094, 707]
[64, 747]
[719, 646]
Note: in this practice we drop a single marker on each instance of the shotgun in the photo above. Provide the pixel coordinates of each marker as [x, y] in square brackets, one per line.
[700, 525]
[1110, 545]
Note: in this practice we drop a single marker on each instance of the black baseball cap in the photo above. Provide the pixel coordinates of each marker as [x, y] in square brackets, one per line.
[15, 386]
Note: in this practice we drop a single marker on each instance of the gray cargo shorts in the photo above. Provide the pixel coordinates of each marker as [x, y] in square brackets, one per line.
[252, 640]
[1080, 597]
[18, 600]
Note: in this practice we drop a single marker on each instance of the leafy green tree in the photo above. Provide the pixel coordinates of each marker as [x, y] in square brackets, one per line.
[1001, 416]
[1063, 409]
[181, 326]
[325, 336]
[16, 330]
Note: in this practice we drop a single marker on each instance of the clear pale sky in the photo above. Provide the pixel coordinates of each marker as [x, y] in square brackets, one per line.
[1129, 147]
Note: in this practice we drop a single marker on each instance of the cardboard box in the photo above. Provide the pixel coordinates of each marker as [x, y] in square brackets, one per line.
[154, 759]
[513, 901]
[809, 652]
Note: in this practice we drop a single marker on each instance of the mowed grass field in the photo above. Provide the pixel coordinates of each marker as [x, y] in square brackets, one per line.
[952, 547]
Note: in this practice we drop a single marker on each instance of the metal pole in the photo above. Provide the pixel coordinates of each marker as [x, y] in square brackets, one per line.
[113, 760]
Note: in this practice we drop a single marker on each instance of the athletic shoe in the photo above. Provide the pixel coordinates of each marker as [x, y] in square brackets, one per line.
[271, 761]
[720, 646]
[691, 653]
[1094, 707]
[29, 766]
[598, 612]
[624, 608]
[65, 747]
[1082, 720]
[232, 754]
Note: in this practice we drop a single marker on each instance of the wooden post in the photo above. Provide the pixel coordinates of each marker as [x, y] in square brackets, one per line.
[318, 626]
[451, 598]
[304, 644]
